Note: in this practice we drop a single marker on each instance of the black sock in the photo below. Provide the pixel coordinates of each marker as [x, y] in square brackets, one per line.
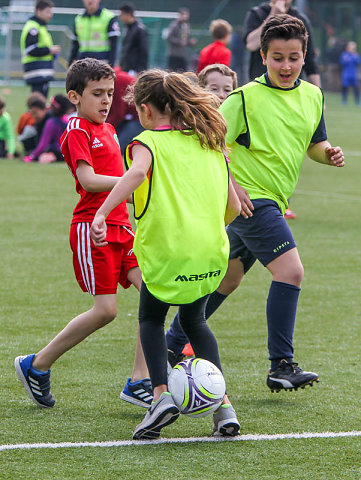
[281, 316]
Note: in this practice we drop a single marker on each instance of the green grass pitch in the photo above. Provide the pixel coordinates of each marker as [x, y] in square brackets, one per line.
[39, 295]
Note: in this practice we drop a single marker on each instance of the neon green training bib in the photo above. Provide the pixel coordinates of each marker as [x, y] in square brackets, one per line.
[180, 242]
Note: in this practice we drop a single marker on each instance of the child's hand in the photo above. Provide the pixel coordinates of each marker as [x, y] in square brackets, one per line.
[98, 230]
[246, 203]
[279, 6]
[335, 156]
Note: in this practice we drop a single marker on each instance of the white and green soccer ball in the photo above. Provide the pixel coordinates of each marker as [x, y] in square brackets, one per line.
[197, 387]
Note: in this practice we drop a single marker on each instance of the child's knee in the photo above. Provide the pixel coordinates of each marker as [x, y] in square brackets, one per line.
[294, 276]
[107, 314]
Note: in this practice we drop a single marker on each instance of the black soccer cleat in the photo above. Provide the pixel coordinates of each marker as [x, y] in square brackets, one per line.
[289, 376]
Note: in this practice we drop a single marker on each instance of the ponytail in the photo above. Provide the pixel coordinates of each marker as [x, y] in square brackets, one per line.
[192, 110]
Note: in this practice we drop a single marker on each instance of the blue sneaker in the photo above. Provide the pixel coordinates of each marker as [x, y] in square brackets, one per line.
[163, 412]
[138, 393]
[37, 386]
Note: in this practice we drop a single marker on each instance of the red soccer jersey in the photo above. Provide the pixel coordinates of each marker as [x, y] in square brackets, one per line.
[96, 144]
[216, 52]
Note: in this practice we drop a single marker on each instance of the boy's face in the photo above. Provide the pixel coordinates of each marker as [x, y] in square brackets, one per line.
[284, 61]
[95, 102]
[220, 85]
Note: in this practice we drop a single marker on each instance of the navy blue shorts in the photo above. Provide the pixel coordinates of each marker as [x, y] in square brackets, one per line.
[265, 236]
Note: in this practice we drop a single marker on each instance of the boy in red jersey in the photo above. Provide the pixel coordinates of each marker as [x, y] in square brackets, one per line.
[92, 152]
[217, 52]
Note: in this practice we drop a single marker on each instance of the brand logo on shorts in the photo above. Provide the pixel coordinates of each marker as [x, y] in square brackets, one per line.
[283, 245]
[130, 252]
[197, 277]
[97, 143]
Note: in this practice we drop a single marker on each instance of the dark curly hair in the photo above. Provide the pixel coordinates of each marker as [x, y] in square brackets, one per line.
[84, 70]
[283, 27]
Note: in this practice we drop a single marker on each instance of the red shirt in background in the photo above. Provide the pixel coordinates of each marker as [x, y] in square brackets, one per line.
[121, 110]
[96, 144]
[216, 52]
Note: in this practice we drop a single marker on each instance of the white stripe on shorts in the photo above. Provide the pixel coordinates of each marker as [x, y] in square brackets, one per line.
[85, 258]
[129, 231]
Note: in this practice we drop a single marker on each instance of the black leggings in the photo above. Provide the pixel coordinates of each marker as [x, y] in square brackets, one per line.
[152, 315]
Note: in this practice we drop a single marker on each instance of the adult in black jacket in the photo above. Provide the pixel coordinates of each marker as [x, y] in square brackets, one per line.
[254, 22]
[135, 45]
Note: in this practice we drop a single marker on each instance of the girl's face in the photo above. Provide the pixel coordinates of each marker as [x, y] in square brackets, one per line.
[284, 61]
[220, 85]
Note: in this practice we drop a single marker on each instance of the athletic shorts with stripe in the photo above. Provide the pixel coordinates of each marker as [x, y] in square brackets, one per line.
[98, 270]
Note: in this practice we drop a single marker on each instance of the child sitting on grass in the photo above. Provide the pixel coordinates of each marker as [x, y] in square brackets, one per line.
[7, 136]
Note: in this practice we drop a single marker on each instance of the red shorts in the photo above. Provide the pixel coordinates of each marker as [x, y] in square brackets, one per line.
[98, 270]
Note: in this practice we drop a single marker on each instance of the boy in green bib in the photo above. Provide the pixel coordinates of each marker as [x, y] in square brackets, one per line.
[182, 200]
[272, 122]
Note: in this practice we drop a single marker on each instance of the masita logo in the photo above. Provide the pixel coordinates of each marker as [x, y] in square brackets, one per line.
[197, 278]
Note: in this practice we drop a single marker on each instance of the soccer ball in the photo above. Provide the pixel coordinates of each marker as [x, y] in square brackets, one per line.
[197, 387]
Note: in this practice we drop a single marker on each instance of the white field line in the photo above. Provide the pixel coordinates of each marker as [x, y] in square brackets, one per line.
[162, 441]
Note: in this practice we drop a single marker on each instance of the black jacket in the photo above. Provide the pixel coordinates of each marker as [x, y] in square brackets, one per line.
[135, 47]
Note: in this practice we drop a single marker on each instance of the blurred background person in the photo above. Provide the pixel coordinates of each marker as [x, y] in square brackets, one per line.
[238, 60]
[350, 61]
[48, 148]
[135, 44]
[336, 46]
[217, 52]
[123, 116]
[7, 136]
[255, 19]
[37, 49]
[96, 34]
[179, 40]
[26, 128]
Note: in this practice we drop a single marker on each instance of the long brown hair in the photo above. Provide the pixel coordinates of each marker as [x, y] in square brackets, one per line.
[191, 109]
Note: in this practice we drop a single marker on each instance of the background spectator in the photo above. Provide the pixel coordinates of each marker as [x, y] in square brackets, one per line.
[26, 128]
[178, 40]
[239, 52]
[7, 137]
[333, 67]
[255, 19]
[123, 116]
[96, 34]
[350, 61]
[37, 49]
[48, 149]
[217, 52]
[135, 44]
[39, 110]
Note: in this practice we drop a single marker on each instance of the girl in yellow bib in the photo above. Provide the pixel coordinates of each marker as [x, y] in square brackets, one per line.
[182, 200]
